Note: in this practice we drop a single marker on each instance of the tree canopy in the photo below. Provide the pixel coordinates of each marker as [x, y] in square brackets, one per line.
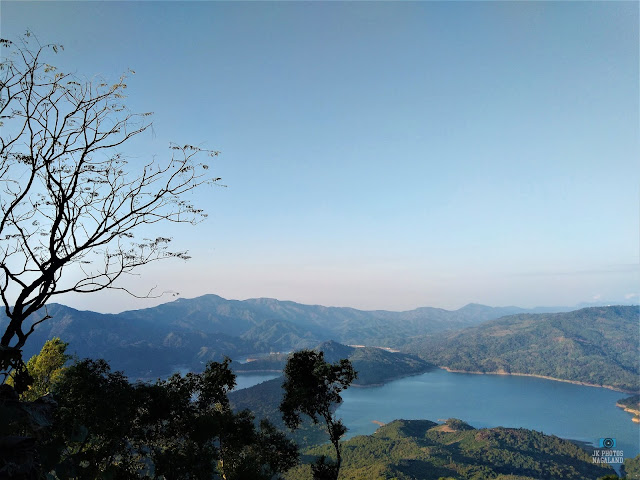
[44, 369]
[312, 387]
[98, 425]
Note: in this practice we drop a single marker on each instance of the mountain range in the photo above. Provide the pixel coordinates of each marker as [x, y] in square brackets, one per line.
[186, 333]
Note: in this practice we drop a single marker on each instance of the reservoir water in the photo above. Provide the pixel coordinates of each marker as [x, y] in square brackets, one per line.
[566, 410]
[574, 412]
[246, 380]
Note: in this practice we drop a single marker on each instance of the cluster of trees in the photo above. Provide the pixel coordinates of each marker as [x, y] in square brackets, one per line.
[632, 467]
[424, 450]
[85, 421]
[632, 402]
[103, 426]
[632, 405]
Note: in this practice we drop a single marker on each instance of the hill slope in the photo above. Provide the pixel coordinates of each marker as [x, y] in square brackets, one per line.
[374, 365]
[186, 333]
[142, 348]
[424, 450]
[593, 345]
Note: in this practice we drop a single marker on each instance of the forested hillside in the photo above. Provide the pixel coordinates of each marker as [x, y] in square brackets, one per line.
[424, 450]
[374, 365]
[186, 333]
[631, 405]
[593, 345]
[264, 401]
[632, 468]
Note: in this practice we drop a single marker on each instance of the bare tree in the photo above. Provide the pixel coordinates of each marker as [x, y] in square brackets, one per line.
[70, 204]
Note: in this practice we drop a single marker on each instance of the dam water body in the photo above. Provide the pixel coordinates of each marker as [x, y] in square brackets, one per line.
[570, 411]
[566, 410]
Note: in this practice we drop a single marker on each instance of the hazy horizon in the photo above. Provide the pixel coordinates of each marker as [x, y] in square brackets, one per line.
[379, 155]
[162, 301]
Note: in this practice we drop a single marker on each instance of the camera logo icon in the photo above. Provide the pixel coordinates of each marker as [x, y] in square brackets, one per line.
[607, 442]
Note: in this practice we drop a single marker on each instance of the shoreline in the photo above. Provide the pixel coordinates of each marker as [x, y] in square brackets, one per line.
[575, 382]
[390, 379]
[632, 411]
[250, 372]
[354, 385]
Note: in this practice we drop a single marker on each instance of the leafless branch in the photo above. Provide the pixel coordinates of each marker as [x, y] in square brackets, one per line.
[68, 197]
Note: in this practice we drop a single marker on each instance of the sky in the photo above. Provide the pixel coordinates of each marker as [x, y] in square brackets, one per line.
[380, 155]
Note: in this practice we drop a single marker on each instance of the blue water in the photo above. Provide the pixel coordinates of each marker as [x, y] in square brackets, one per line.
[555, 408]
[246, 380]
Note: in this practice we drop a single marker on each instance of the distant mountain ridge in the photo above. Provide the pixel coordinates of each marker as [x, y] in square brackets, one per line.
[186, 333]
[597, 345]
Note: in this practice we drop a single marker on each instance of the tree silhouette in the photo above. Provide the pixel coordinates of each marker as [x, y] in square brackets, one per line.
[312, 387]
[70, 204]
[179, 428]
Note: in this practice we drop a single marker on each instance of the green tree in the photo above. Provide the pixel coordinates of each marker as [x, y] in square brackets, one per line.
[45, 369]
[312, 387]
[179, 428]
[631, 468]
[26, 418]
[68, 198]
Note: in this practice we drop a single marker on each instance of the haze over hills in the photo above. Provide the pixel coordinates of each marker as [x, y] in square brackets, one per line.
[597, 345]
[186, 333]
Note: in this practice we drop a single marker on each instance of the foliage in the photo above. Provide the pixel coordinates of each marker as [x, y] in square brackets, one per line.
[632, 405]
[25, 418]
[592, 345]
[45, 369]
[632, 468]
[312, 387]
[264, 401]
[457, 425]
[424, 450]
[68, 199]
[632, 402]
[179, 428]
[22, 425]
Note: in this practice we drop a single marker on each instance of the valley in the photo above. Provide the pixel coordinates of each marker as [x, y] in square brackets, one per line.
[595, 346]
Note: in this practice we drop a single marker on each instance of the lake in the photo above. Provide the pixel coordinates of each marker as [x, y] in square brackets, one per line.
[566, 410]
[575, 412]
[246, 380]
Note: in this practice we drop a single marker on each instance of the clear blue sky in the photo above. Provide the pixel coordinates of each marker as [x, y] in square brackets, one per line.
[382, 155]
